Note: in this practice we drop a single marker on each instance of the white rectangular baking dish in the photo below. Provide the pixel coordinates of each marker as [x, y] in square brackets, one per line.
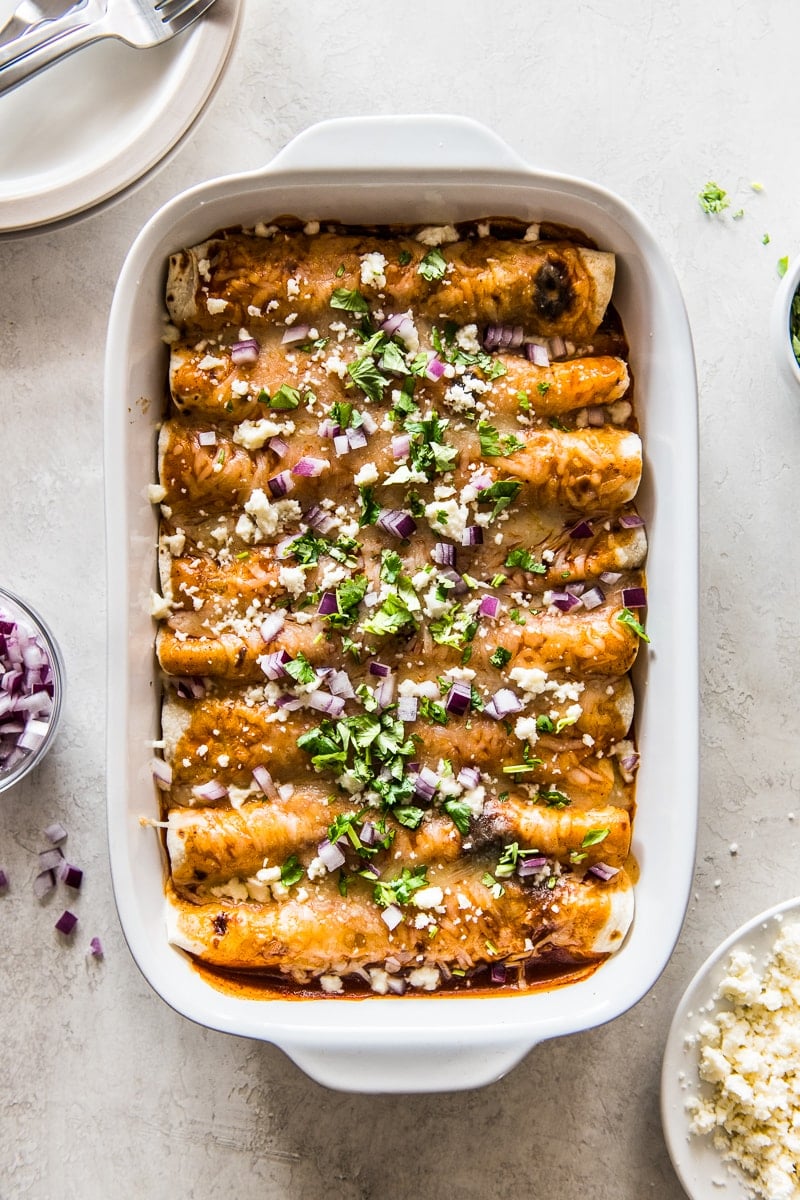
[431, 170]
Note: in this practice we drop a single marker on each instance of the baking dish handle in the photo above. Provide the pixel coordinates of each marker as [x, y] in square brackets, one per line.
[385, 1070]
[424, 142]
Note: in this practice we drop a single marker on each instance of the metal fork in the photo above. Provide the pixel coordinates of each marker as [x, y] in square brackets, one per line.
[140, 23]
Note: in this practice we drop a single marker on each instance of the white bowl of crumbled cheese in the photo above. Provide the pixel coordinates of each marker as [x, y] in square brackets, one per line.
[730, 1085]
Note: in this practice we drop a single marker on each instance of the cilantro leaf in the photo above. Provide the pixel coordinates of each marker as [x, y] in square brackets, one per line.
[523, 558]
[409, 815]
[365, 375]
[291, 871]
[626, 617]
[370, 508]
[594, 837]
[392, 617]
[460, 814]
[500, 658]
[350, 301]
[300, 669]
[713, 199]
[400, 889]
[433, 265]
[502, 492]
[493, 445]
[285, 398]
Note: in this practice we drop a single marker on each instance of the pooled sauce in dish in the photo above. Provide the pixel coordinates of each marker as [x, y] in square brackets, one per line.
[401, 593]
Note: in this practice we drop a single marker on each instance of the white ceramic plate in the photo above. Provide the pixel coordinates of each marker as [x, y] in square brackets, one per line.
[92, 125]
[700, 1167]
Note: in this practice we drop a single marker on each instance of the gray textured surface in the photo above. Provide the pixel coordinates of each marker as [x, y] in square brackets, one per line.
[104, 1090]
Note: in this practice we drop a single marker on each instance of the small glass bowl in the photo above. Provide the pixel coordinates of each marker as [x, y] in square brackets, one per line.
[14, 608]
[780, 328]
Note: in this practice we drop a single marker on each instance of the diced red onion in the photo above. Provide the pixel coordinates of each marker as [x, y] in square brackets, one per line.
[289, 702]
[244, 352]
[629, 766]
[631, 521]
[207, 438]
[34, 735]
[368, 834]
[434, 369]
[319, 520]
[498, 973]
[489, 606]
[503, 703]
[162, 774]
[564, 601]
[593, 598]
[295, 333]
[356, 438]
[272, 625]
[491, 337]
[325, 702]
[400, 524]
[407, 708]
[595, 416]
[610, 577]
[603, 871]
[340, 684]
[480, 480]
[189, 688]
[575, 589]
[458, 586]
[11, 682]
[444, 554]
[263, 779]
[401, 445]
[211, 791]
[279, 446]
[472, 536]
[530, 865]
[582, 530]
[426, 783]
[558, 347]
[274, 665]
[66, 922]
[44, 882]
[469, 777]
[50, 860]
[328, 604]
[56, 832]
[384, 693]
[459, 699]
[3, 880]
[537, 354]
[341, 444]
[379, 669]
[281, 485]
[331, 855]
[635, 597]
[96, 948]
[391, 917]
[393, 323]
[328, 428]
[70, 875]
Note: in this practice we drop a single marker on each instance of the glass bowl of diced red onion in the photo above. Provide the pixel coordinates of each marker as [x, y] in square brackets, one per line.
[31, 688]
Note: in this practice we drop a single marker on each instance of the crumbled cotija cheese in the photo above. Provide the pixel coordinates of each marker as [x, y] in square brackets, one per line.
[750, 1055]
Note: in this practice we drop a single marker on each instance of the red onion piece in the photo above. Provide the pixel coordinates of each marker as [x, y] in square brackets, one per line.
[565, 601]
[207, 438]
[498, 973]
[341, 444]
[401, 445]
[324, 702]
[469, 777]
[472, 536]
[635, 597]
[400, 524]
[96, 948]
[582, 530]
[295, 333]
[66, 922]
[593, 598]
[289, 702]
[331, 855]
[272, 625]
[379, 669]
[537, 354]
[356, 438]
[459, 699]
[610, 577]
[244, 352]
[603, 871]
[50, 860]
[211, 791]
[368, 834]
[328, 428]
[489, 606]
[44, 882]
[56, 832]
[503, 703]
[162, 774]
[481, 480]
[278, 446]
[70, 875]
[444, 554]
[310, 467]
[595, 416]
[530, 865]
[426, 784]
[189, 688]
[319, 520]
[281, 485]
[3, 880]
[274, 665]
[407, 708]
[384, 693]
[34, 735]
[558, 347]
[631, 521]
[491, 337]
[340, 684]
[328, 604]
[262, 777]
[391, 917]
[392, 324]
[434, 369]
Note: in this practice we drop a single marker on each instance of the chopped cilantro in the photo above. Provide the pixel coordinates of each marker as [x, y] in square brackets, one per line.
[626, 617]
[409, 815]
[300, 669]
[765, 240]
[500, 658]
[393, 616]
[433, 265]
[454, 628]
[543, 387]
[317, 344]
[502, 492]
[523, 558]
[392, 359]
[349, 595]
[391, 566]
[713, 199]
[553, 798]
[372, 746]
[404, 258]
[544, 724]
[291, 871]
[493, 445]
[365, 375]
[432, 710]
[340, 271]
[508, 860]
[285, 398]
[370, 508]
[783, 265]
[594, 837]
[401, 889]
[554, 423]
[493, 885]
[350, 301]
[516, 616]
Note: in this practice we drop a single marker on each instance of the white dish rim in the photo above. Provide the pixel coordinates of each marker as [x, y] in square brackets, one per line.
[474, 1039]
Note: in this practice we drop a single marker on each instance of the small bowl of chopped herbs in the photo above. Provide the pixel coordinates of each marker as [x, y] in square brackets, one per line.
[786, 322]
